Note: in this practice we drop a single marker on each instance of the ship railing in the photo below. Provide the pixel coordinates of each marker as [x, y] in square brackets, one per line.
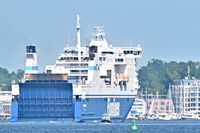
[81, 67]
[73, 66]
[75, 61]
[78, 72]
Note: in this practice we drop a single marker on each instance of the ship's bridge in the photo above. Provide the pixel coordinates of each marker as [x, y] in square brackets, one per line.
[126, 51]
[99, 37]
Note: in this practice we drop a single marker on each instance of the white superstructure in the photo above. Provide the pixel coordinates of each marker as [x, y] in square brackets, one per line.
[117, 65]
[102, 75]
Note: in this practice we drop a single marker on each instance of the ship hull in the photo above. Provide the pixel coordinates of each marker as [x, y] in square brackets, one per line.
[92, 108]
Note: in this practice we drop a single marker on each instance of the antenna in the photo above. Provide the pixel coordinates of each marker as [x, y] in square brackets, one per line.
[78, 27]
[68, 43]
[78, 6]
[78, 37]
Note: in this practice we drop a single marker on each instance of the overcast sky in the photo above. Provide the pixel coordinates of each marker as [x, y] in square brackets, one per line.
[166, 29]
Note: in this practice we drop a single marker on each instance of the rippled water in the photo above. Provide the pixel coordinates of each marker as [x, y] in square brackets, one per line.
[64, 127]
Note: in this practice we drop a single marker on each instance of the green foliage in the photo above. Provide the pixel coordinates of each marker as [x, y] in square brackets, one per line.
[6, 78]
[157, 75]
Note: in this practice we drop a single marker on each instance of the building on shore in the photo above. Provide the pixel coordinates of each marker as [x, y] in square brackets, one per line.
[152, 104]
[159, 104]
[5, 104]
[186, 96]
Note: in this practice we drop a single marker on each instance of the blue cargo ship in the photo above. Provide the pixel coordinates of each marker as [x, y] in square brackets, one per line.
[103, 82]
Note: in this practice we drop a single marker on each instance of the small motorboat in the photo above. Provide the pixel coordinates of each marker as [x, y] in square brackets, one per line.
[106, 118]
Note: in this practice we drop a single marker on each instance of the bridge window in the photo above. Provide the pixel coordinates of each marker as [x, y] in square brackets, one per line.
[119, 60]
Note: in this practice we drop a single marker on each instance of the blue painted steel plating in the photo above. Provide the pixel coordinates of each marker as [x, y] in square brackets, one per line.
[78, 110]
[92, 68]
[14, 110]
[31, 68]
[46, 99]
[95, 107]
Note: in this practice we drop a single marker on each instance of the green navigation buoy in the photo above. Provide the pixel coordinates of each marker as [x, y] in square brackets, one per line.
[134, 126]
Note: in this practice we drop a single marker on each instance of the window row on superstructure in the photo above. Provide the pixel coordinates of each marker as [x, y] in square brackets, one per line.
[72, 59]
[78, 71]
[72, 65]
[131, 52]
[119, 60]
[104, 53]
[72, 52]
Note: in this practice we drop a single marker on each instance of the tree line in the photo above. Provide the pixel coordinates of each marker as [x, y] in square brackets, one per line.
[7, 77]
[157, 75]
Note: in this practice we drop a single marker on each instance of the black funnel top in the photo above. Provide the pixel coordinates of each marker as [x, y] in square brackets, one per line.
[30, 49]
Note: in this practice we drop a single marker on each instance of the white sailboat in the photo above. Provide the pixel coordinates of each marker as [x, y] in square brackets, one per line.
[151, 114]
